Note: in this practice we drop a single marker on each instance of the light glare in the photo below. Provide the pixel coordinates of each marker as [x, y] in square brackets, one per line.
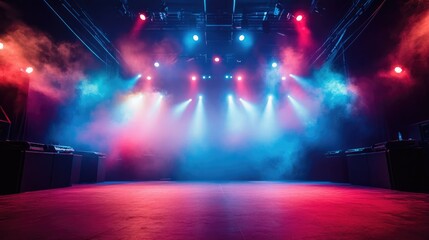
[398, 69]
[29, 70]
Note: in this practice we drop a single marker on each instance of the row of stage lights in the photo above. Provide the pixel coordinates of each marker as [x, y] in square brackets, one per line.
[397, 69]
[195, 78]
[230, 97]
[145, 16]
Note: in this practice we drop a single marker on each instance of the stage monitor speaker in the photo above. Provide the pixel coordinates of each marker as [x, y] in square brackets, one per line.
[424, 131]
[4, 125]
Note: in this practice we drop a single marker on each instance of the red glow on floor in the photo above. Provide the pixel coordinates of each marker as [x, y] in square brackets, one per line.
[240, 210]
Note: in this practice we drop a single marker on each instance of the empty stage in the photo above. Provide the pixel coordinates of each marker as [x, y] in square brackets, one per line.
[221, 210]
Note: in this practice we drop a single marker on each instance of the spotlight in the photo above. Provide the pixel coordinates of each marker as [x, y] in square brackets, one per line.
[1, 46]
[29, 70]
[204, 77]
[142, 16]
[139, 76]
[241, 38]
[194, 78]
[274, 65]
[299, 18]
[283, 78]
[229, 97]
[210, 77]
[195, 37]
[398, 70]
[200, 97]
[156, 64]
[149, 78]
[217, 59]
[226, 76]
[239, 78]
[270, 97]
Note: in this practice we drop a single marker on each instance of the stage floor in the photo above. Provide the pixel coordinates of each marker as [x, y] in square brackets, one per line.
[218, 210]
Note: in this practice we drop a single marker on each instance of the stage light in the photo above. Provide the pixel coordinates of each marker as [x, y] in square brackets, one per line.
[226, 76]
[142, 16]
[299, 18]
[274, 65]
[149, 78]
[241, 38]
[398, 70]
[210, 77]
[204, 77]
[29, 70]
[229, 97]
[1, 46]
[200, 97]
[194, 78]
[270, 97]
[139, 76]
[195, 37]
[283, 78]
[217, 59]
[239, 78]
[156, 64]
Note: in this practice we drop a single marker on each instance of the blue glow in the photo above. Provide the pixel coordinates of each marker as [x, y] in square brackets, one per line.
[88, 88]
[195, 37]
[268, 126]
[132, 82]
[198, 121]
[241, 38]
[233, 116]
[274, 65]
[179, 109]
[305, 83]
[299, 109]
[200, 97]
[250, 110]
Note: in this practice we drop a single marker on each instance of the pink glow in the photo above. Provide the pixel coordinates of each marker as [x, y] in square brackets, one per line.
[398, 69]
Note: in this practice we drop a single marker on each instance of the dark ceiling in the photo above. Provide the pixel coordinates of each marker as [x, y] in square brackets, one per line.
[100, 23]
